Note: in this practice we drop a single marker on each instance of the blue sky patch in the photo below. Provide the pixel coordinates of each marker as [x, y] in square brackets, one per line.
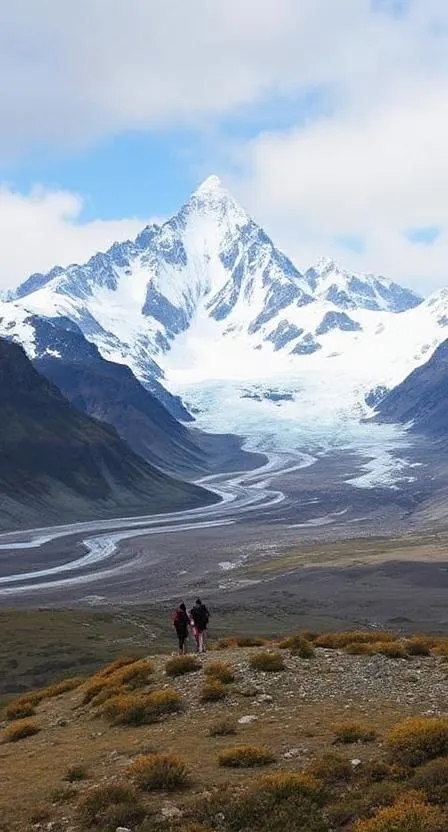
[352, 242]
[424, 236]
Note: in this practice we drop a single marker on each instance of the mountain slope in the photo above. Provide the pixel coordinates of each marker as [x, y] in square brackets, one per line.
[56, 463]
[110, 392]
[422, 398]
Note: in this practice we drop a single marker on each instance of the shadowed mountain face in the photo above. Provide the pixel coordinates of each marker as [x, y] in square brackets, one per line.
[57, 464]
[110, 392]
[422, 398]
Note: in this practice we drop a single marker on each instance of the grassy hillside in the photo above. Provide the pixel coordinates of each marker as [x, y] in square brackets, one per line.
[329, 733]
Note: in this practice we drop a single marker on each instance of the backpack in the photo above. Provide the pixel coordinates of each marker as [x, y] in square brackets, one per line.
[200, 615]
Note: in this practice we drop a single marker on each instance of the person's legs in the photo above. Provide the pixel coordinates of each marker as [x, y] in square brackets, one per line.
[200, 641]
[196, 638]
[181, 640]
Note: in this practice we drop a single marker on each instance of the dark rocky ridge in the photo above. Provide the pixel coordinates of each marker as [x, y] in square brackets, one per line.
[58, 464]
[422, 398]
[111, 393]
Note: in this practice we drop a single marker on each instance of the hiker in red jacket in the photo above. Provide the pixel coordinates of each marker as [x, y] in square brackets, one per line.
[181, 622]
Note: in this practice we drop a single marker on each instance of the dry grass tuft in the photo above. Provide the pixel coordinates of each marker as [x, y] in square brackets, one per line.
[281, 803]
[337, 641]
[38, 814]
[109, 806]
[441, 649]
[94, 687]
[330, 768]
[267, 661]
[302, 648]
[106, 693]
[349, 732]
[20, 729]
[179, 665]
[432, 780]
[223, 671]
[250, 641]
[245, 756]
[417, 740]
[225, 643]
[418, 646]
[127, 676]
[110, 668]
[390, 650]
[299, 645]
[19, 709]
[142, 708]
[224, 727]
[134, 675]
[230, 642]
[409, 814]
[56, 689]
[76, 773]
[213, 691]
[159, 772]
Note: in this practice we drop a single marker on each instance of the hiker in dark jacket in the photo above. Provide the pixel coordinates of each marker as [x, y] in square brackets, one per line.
[200, 618]
[181, 622]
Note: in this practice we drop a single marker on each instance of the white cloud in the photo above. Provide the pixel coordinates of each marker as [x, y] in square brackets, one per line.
[76, 72]
[375, 166]
[42, 229]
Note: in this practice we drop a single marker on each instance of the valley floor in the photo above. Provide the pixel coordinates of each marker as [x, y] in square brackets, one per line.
[291, 539]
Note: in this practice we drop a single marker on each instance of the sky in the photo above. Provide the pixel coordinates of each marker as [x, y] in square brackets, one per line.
[327, 119]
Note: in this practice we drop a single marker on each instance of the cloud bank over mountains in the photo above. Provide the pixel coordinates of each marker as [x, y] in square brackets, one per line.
[358, 169]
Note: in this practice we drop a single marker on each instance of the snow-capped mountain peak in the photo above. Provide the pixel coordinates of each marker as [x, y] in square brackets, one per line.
[207, 292]
[356, 290]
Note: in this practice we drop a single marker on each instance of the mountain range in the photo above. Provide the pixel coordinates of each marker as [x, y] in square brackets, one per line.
[206, 306]
[210, 275]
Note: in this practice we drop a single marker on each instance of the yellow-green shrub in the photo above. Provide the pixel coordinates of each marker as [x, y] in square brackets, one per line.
[267, 661]
[432, 779]
[418, 740]
[348, 732]
[117, 664]
[19, 709]
[76, 773]
[134, 675]
[19, 729]
[159, 772]
[409, 814]
[213, 691]
[336, 641]
[224, 727]
[245, 756]
[330, 768]
[110, 805]
[179, 665]
[131, 674]
[418, 646]
[229, 642]
[142, 708]
[286, 802]
[223, 671]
